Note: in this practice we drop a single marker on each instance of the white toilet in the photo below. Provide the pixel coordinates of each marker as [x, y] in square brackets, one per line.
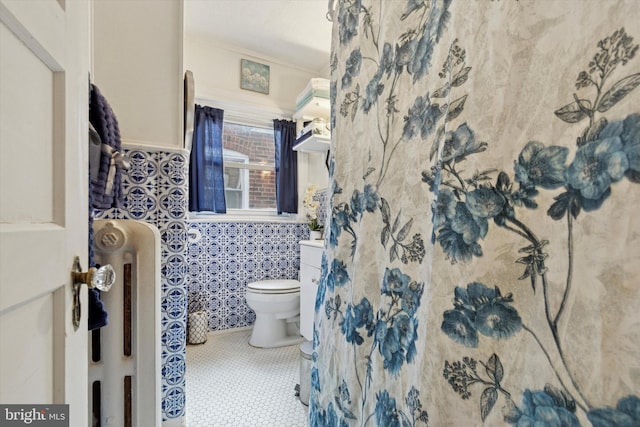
[277, 307]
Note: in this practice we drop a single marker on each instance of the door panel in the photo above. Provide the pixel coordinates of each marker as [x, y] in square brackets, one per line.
[44, 65]
[30, 355]
[27, 87]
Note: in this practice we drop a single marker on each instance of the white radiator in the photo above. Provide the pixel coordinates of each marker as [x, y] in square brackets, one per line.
[124, 356]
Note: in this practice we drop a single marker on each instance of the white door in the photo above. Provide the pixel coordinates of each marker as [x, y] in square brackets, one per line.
[44, 65]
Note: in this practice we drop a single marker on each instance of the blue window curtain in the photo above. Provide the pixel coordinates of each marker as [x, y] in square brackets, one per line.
[206, 174]
[286, 166]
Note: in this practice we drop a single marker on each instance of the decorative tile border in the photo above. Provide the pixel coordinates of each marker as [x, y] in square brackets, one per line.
[155, 188]
[223, 257]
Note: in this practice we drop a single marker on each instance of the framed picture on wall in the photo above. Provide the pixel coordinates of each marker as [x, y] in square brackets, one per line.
[254, 76]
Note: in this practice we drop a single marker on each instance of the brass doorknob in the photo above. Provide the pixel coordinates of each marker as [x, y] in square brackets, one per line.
[100, 278]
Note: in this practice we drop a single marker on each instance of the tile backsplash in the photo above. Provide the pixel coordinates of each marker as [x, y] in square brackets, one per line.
[223, 257]
[206, 265]
[155, 191]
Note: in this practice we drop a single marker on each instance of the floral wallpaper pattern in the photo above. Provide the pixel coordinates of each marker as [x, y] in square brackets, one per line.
[482, 247]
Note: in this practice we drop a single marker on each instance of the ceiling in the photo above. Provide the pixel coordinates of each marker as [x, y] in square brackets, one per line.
[295, 32]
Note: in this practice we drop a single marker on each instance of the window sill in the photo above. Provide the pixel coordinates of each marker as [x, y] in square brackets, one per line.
[234, 215]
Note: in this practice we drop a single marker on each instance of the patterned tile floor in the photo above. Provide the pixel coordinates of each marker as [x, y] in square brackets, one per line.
[231, 384]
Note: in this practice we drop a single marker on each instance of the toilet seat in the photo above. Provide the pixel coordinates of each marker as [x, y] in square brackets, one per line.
[274, 287]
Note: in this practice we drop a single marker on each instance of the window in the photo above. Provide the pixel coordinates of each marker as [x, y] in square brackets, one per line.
[236, 180]
[249, 173]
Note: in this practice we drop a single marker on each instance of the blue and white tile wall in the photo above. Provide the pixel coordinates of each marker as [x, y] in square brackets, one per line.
[323, 200]
[223, 257]
[156, 190]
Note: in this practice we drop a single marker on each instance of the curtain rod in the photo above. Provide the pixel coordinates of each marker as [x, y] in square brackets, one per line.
[236, 109]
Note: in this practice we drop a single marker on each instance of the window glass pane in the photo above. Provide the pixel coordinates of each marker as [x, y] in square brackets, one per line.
[249, 189]
[234, 187]
[262, 190]
[254, 142]
[233, 198]
[232, 178]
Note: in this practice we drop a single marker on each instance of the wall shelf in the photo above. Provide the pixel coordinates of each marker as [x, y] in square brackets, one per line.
[316, 107]
[314, 143]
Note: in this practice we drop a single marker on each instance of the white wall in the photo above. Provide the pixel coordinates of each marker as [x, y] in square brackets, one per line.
[137, 65]
[216, 74]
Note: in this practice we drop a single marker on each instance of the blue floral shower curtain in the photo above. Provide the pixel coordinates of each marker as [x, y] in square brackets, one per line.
[483, 248]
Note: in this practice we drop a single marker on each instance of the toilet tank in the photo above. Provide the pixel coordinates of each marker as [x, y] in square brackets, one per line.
[310, 260]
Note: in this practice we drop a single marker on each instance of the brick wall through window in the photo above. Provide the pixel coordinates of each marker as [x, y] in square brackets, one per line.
[258, 145]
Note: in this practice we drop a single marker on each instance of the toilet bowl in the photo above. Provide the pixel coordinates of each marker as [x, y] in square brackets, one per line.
[277, 307]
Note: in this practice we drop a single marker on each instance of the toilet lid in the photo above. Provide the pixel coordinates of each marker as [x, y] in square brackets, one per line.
[274, 286]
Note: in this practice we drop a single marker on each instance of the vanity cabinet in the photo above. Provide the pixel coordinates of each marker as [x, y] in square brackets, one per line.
[310, 260]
